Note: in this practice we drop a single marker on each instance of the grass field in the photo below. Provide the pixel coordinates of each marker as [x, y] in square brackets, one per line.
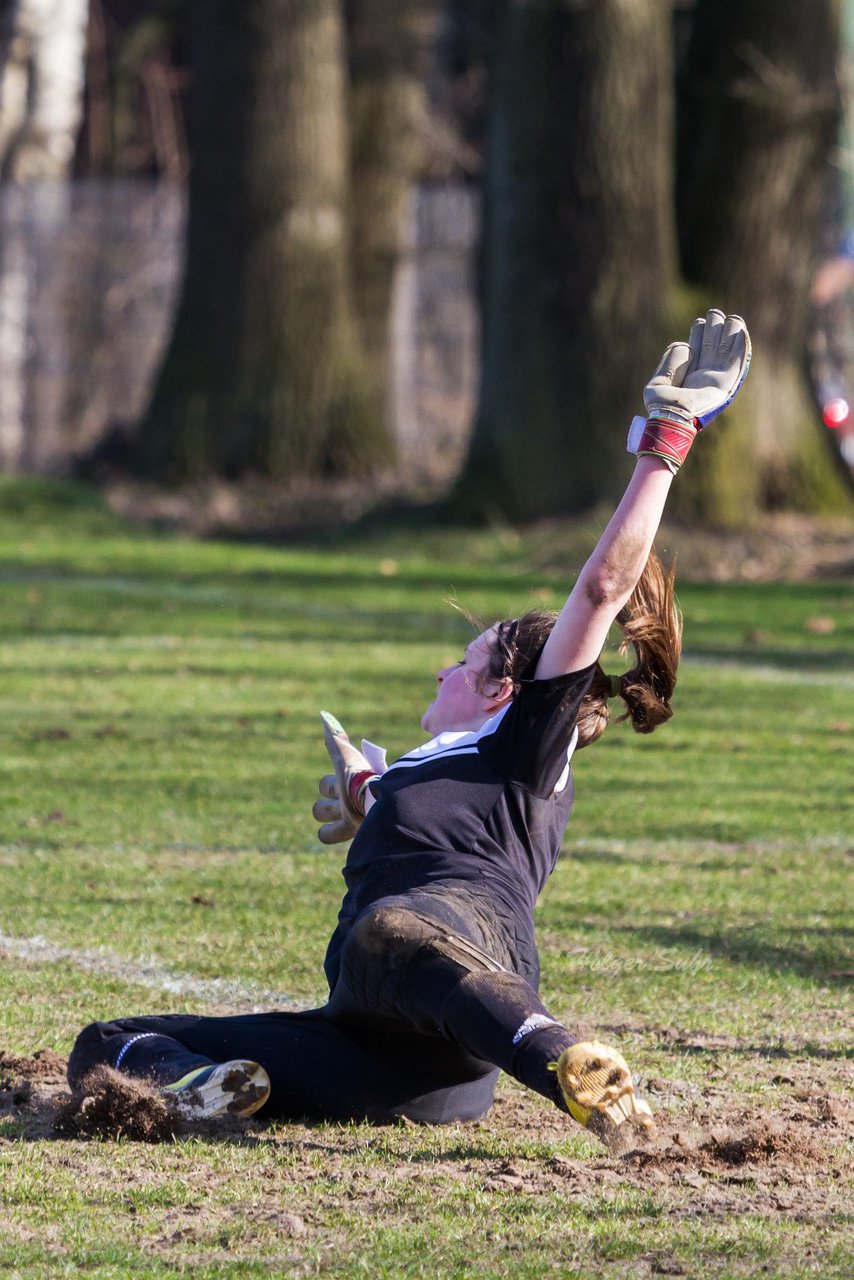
[160, 740]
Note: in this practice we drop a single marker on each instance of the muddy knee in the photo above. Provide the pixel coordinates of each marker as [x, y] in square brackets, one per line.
[396, 934]
[389, 932]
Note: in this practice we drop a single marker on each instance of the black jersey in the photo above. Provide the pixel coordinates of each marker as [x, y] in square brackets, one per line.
[488, 807]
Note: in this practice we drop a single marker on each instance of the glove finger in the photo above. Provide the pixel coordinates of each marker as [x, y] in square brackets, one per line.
[335, 832]
[695, 340]
[733, 326]
[342, 753]
[738, 361]
[328, 787]
[333, 724]
[672, 367]
[712, 331]
[326, 810]
[333, 746]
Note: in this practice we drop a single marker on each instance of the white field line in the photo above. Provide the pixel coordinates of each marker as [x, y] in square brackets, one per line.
[231, 993]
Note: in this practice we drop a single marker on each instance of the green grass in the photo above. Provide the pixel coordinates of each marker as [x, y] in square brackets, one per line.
[161, 745]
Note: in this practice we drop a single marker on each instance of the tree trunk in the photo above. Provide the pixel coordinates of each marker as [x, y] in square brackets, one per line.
[389, 48]
[42, 54]
[264, 371]
[759, 110]
[578, 251]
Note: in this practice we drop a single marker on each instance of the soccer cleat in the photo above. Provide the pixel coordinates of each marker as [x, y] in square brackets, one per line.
[596, 1082]
[237, 1088]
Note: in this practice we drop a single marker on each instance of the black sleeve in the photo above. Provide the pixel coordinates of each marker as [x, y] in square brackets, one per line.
[529, 746]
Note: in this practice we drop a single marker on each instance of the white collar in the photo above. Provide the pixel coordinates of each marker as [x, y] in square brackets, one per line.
[456, 739]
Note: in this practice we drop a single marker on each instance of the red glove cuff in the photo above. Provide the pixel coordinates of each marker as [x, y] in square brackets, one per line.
[357, 785]
[668, 440]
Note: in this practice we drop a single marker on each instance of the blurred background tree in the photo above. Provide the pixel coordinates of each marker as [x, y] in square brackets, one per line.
[580, 259]
[759, 110]
[265, 372]
[578, 253]
[306, 127]
[42, 47]
[42, 62]
[137, 82]
[389, 52]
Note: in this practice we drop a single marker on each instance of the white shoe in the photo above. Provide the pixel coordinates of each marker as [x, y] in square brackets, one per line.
[237, 1088]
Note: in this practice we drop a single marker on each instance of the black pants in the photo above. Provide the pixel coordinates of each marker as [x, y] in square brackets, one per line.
[433, 995]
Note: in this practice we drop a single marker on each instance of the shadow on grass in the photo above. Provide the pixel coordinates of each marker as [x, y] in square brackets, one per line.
[716, 1044]
[738, 947]
[797, 660]
[144, 577]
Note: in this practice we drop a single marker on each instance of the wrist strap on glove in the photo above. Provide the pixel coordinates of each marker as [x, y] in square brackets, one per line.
[664, 438]
[357, 785]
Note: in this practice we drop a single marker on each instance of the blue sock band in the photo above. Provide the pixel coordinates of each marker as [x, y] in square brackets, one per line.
[122, 1053]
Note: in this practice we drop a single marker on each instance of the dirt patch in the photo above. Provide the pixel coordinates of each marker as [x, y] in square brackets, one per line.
[784, 546]
[253, 508]
[43, 1065]
[31, 1090]
[804, 1131]
[788, 547]
[111, 1105]
[710, 1155]
[766, 1142]
[107, 1104]
[749, 1141]
[759, 1143]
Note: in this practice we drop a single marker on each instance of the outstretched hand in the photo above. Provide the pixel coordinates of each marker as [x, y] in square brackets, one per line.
[694, 382]
[336, 823]
[341, 807]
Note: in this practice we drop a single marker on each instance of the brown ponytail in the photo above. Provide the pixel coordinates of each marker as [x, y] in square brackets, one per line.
[652, 626]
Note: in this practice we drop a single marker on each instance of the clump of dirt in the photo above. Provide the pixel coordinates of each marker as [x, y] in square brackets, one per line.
[110, 1105]
[15, 1094]
[107, 1104]
[832, 1111]
[622, 1140]
[760, 1143]
[745, 1143]
[43, 1065]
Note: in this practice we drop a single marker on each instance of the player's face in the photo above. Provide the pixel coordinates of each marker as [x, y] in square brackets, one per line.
[459, 704]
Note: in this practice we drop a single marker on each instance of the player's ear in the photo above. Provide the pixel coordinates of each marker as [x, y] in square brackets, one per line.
[499, 692]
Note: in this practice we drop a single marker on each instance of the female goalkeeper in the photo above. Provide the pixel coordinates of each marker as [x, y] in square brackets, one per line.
[432, 968]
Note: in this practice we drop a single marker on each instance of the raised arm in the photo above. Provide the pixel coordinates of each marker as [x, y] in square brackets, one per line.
[694, 382]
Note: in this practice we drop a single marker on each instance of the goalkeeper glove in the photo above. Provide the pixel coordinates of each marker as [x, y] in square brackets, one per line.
[694, 382]
[342, 805]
